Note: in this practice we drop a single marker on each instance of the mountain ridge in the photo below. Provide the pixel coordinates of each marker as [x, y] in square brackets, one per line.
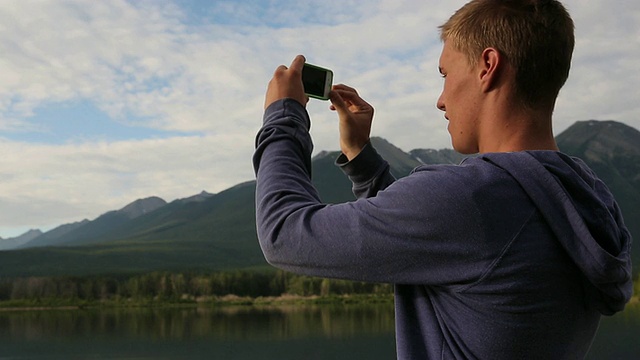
[15, 242]
[142, 206]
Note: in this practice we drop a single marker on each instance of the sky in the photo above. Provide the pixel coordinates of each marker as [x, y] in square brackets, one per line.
[106, 102]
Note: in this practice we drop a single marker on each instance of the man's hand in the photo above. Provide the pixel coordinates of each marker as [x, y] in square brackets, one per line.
[355, 116]
[287, 83]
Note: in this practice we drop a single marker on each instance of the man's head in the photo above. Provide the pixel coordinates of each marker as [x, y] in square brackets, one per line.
[534, 36]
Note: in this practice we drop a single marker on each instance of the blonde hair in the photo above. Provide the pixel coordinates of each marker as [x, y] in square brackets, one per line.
[535, 36]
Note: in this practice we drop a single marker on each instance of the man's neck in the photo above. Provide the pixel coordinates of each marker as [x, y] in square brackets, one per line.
[514, 129]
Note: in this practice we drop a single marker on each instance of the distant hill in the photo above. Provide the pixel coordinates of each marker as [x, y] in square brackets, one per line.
[89, 232]
[433, 157]
[51, 237]
[141, 207]
[12, 243]
[197, 198]
[212, 232]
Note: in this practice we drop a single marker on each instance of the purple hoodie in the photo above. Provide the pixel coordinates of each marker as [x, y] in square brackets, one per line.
[507, 255]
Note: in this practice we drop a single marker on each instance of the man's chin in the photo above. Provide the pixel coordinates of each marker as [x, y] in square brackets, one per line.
[464, 149]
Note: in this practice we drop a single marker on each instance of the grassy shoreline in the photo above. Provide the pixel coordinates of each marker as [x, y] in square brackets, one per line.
[227, 300]
[213, 301]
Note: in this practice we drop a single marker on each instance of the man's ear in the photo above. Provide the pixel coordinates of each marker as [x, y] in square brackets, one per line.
[490, 68]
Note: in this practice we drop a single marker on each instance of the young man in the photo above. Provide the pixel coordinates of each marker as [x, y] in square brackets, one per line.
[515, 253]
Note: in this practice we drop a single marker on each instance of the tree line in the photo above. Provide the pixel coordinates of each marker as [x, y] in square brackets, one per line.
[177, 286]
[172, 286]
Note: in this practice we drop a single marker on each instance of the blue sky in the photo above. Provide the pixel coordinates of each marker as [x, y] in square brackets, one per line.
[105, 102]
[78, 121]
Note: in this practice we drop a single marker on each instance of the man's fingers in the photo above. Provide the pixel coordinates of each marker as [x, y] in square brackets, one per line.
[279, 70]
[298, 63]
[343, 87]
[350, 98]
[287, 83]
[337, 103]
[347, 95]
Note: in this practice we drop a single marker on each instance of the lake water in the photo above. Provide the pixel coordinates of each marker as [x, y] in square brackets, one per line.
[283, 332]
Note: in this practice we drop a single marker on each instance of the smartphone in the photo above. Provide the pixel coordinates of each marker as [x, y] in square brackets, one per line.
[317, 81]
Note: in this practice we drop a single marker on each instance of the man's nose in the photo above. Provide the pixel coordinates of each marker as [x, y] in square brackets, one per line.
[440, 104]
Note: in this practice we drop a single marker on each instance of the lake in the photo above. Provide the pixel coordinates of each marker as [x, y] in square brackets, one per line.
[239, 332]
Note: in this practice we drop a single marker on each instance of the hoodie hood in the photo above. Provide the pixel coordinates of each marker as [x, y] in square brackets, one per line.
[584, 216]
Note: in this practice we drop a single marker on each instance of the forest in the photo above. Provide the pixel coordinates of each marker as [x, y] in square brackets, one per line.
[169, 287]
[176, 287]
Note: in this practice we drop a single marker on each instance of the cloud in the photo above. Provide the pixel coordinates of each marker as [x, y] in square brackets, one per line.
[56, 182]
[603, 75]
[198, 71]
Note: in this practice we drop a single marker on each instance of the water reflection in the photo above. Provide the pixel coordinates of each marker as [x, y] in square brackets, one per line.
[283, 332]
[229, 332]
[268, 323]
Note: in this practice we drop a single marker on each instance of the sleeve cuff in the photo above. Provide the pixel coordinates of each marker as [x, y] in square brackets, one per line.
[287, 107]
[363, 167]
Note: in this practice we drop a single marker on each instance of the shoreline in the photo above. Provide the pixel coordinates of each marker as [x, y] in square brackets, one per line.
[214, 301]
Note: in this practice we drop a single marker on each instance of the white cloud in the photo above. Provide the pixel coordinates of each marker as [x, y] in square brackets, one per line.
[604, 71]
[150, 63]
[74, 181]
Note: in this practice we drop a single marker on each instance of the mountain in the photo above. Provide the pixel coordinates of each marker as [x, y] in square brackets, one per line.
[141, 207]
[214, 232]
[12, 243]
[401, 163]
[202, 196]
[217, 233]
[432, 157]
[51, 237]
[90, 232]
[611, 149]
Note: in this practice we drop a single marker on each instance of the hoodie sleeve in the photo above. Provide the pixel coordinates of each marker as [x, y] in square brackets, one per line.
[368, 172]
[413, 231]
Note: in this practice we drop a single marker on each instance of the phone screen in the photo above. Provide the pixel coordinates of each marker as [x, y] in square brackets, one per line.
[316, 81]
